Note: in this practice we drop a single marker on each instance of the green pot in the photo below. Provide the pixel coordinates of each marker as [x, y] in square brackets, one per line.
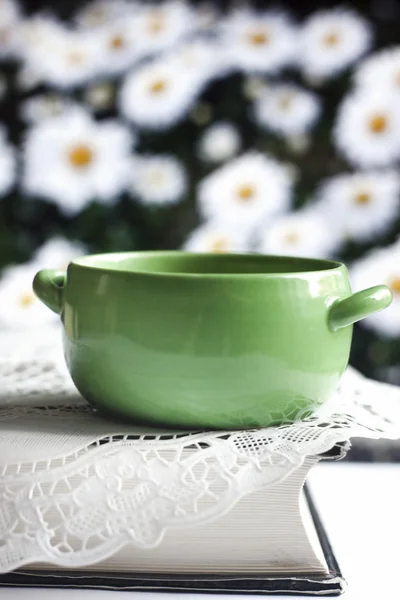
[204, 340]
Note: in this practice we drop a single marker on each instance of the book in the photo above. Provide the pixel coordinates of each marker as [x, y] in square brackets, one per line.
[270, 541]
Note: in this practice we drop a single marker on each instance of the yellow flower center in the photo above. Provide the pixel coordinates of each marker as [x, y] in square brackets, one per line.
[394, 285]
[158, 86]
[75, 58]
[156, 178]
[259, 38]
[246, 192]
[291, 238]
[378, 123]
[285, 101]
[117, 42]
[219, 245]
[156, 24]
[362, 198]
[80, 156]
[330, 39]
[26, 299]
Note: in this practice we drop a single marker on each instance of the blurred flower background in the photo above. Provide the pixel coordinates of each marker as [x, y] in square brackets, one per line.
[205, 126]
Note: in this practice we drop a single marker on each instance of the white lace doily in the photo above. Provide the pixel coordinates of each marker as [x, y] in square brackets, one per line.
[75, 488]
[32, 368]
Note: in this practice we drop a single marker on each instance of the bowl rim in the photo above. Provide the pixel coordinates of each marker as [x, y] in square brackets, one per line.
[310, 266]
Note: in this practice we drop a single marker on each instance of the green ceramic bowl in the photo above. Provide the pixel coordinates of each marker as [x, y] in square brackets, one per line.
[203, 340]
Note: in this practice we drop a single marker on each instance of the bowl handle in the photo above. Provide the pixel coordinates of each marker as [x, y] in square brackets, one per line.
[48, 286]
[358, 306]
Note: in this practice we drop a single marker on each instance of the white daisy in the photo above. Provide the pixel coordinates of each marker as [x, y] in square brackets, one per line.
[361, 204]
[287, 109]
[303, 233]
[380, 266]
[9, 17]
[245, 191]
[201, 60]
[64, 58]
[219, 142]
[158, 179]
[367, 128]
[57, 253]
[118, 45]
[162, 25]
[37, 37]
[39, 29]
[331, 40]
[44, 106]
[72, 160]
[216, 237]
[259, 41]
[102, 12]
[7, 164]
[157, 95]
[19, 307]
[380, 71]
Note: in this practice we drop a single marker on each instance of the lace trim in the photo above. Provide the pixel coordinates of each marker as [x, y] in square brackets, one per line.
[75, 488]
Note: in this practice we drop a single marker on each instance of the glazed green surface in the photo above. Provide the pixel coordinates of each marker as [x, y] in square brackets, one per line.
[206, 341]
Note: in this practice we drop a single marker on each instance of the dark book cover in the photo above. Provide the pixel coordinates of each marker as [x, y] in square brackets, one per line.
[330, 584]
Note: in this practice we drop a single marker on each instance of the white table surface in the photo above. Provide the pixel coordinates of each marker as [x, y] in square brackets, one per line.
[360, 507]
